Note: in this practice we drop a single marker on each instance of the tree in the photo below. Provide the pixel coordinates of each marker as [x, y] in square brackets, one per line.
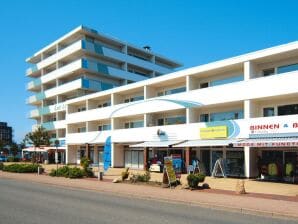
[14, 148]
[37, 138]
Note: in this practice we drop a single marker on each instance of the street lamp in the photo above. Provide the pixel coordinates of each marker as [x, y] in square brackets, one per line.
[56, 153]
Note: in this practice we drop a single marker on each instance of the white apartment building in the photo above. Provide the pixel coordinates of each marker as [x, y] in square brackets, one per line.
[82, 62]
[242, 109]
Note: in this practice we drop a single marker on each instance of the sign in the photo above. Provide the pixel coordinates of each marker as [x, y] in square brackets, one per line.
[169, 170]
[273, 127]
[107, 154]
[177, 165]
[214, 132]
[266, 144]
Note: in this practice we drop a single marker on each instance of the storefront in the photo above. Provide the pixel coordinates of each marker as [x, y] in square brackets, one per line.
[277, 158]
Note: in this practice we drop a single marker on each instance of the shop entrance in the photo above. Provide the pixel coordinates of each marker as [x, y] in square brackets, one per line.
[215, 155]
[206, 161]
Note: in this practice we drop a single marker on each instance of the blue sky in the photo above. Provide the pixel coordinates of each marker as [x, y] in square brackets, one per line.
[192, 32]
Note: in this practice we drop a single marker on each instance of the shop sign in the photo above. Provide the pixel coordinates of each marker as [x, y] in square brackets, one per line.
[177, 164]
[273, 127]
[169, 170]
[214, 132]
[266, 144]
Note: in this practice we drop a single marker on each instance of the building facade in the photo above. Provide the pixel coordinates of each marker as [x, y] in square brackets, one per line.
[243, 110]
[82, 62]
[5, 133]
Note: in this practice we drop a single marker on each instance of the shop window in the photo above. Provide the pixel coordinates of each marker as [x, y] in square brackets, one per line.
[287, 109]
[268, 111]
[235, 163]
[268, 72]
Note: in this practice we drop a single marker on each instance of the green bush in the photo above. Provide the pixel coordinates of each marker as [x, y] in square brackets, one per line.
[88, 172]
[75, 173]
[193, 180]
[21, 168]
[68, 172]
[141, 178]
[1, 166]
[85, 162]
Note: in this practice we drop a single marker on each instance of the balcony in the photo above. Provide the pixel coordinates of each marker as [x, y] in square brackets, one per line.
[53, 125]
[81, 83]
[55, 57]
[47, 110]
[108, 52]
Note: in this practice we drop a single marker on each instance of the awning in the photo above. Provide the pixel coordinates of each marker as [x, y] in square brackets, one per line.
[202, 143]
[156, 144]
[267, 142]
[41, 149]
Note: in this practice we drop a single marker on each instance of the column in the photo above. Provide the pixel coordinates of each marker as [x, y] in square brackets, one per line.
[187, 156]
[247, 162]
[95, 156]
[87, 151]
[146, 157]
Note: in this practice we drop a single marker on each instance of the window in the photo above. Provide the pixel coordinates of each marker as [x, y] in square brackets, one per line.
[132, 99]
[81, 129]
[227, 80]
[80, 109]
[134, 124]
[106, 104]
[268, 111]
[160, 122]
[204, 85]
[287, 68]
[104, 127]
[268, 72]
[222, 116]
[204, 117]
[288, 109]
[175, 120]
[172, 91]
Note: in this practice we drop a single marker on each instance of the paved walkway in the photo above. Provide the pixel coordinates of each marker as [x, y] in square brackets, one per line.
[219, 200]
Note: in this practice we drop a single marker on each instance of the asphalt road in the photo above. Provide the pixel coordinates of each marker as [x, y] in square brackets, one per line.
[24, 203]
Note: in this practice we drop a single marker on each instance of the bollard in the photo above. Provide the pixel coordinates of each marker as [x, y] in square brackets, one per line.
[100, 175]
[38, 170]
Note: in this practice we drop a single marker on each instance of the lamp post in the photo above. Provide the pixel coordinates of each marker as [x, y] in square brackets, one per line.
[56, 153]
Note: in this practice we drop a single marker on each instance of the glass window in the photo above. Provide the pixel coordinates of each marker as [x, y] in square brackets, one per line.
[137, 124]
[268, 72]
[174, 91]
[287, 68]
[126, 125]
[288, 109]
[227, 80]
[82, 129]
[222, 116]
[204, 85]
[160, 93]
[268, 111]
[106, 127]
[175, 120]
[204, 117]
[160, 121]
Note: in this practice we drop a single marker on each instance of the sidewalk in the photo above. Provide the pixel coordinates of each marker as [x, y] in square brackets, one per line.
[215, 199]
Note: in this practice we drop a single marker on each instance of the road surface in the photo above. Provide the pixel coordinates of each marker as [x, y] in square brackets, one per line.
[24, 203]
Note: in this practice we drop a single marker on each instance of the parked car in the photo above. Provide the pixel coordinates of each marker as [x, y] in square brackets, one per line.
[3, 159]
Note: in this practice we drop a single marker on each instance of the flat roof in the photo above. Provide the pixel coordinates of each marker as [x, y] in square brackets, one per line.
[85, 29]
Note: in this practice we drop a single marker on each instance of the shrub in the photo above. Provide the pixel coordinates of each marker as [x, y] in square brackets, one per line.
[75, 173]
[194, 179]
[85, 162]
[125, 174]
[1, 166]
[141, 178]
[88, 172]
[21, 168]
[68, 172]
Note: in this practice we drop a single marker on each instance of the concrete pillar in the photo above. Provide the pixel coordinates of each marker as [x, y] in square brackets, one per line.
[191, 83]
[247, 162]
[249, 70]
[112, 154]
